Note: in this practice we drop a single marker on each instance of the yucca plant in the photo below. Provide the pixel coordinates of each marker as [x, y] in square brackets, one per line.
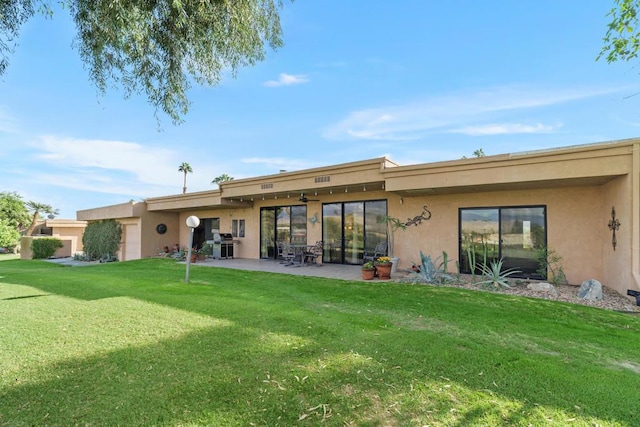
[495, 276]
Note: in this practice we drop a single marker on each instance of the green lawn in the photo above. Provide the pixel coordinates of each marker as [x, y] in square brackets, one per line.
[132, 344]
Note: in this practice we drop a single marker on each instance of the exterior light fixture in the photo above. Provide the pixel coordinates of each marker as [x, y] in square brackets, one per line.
[364, 188]
[346, 189]
[192, 222]
[331, 191]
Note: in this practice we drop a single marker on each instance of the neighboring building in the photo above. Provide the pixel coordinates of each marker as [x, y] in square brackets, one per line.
[67, 230]
[503, 206]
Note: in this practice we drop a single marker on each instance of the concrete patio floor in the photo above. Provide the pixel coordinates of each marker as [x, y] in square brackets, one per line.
[331, 271]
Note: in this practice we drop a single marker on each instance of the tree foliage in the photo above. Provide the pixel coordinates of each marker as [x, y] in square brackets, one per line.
[158, 47]
[222, 178]
[13, 210]
[37, 208]
[101, 239]
[9, 235]
[622, 40]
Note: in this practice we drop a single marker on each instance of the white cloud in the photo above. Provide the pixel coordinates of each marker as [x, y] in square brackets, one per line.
[116, 167]
[506, 128]
[450, 112]
[287, 80]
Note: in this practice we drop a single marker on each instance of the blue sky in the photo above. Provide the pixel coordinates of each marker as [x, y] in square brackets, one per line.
[416, 81]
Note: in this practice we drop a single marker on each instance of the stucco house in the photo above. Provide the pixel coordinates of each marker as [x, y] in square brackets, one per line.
[583, 202]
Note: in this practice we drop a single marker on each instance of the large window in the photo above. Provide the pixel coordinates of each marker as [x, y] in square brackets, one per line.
[512, 234]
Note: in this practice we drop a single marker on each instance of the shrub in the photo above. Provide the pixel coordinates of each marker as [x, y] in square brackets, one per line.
[45, 248]
[101, 240]
[550, 265]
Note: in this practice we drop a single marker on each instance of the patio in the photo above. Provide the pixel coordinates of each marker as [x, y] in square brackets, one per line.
[330, 271]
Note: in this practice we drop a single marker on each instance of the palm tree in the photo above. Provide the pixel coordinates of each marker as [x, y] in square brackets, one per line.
[185, 168]
[222, 178]
[36, 208]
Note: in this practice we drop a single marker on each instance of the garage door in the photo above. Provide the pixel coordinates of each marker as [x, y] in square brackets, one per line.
[131, 242]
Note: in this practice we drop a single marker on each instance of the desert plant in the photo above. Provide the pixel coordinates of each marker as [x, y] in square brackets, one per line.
[101, 239]
[432, 271]
[45, 248]
[495, 276]
[393, 224]
[550, 265]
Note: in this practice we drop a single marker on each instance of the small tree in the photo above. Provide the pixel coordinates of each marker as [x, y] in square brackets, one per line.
[101, 239]
[37, 208]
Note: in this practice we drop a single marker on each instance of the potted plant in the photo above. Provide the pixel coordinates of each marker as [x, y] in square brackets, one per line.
[368, 270]
[383, 267]
[393, 224]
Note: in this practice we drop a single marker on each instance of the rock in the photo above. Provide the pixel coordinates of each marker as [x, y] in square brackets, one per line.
[591, 290]
[543, 287]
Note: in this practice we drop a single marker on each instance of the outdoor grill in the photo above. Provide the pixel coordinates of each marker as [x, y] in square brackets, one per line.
[222, 245]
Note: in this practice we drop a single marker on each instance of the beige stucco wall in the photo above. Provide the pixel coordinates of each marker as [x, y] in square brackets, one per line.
[574, 226]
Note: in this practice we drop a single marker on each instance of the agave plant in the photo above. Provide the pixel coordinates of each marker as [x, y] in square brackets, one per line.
[432, 271]
[494, 275]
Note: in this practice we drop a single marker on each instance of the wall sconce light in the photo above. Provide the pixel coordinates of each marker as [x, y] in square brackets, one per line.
[288, 196]
[401, 200]
[383, 185]
[331, 191]
[262, 197]
[315, 193]
[275, 197]
[346, 189]
[364, 188]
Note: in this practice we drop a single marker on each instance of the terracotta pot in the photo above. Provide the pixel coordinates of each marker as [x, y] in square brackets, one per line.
[194, 257]
[384, 271]
[368, 274]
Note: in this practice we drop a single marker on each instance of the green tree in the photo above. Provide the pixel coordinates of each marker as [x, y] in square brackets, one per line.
[101, 239]
[37, 208]
[9, 235]
[222, 178]
[14, 211]
[157, 47]
[185, 168]
[622, 39]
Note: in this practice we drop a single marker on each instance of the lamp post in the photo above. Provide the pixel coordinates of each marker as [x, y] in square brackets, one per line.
[192, 222]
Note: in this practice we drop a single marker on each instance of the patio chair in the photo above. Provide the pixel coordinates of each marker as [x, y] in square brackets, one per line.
[314, 253]
[380, 250]
[285, 252]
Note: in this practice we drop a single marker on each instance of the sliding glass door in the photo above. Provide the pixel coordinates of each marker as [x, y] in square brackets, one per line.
[281, 223]
[350, 227]
[512, 234]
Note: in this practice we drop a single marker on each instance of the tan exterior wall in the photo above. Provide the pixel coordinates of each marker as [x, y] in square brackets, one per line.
[617, 273]
[572, 231]
[151, 241]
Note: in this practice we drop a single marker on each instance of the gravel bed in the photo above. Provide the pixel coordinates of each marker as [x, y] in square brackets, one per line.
[612, 300]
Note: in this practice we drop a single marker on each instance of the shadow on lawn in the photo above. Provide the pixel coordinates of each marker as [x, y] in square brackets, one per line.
[316, 361]
[236, 375]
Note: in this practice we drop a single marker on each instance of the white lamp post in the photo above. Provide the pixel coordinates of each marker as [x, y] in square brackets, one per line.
[192, 222]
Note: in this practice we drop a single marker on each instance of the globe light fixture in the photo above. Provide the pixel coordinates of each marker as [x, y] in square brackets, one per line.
[192, 222]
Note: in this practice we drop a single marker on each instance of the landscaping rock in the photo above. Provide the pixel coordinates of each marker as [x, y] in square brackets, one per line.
[543, 287]
[591, 290]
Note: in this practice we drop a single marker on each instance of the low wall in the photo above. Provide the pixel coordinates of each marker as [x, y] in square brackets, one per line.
[65, 251]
